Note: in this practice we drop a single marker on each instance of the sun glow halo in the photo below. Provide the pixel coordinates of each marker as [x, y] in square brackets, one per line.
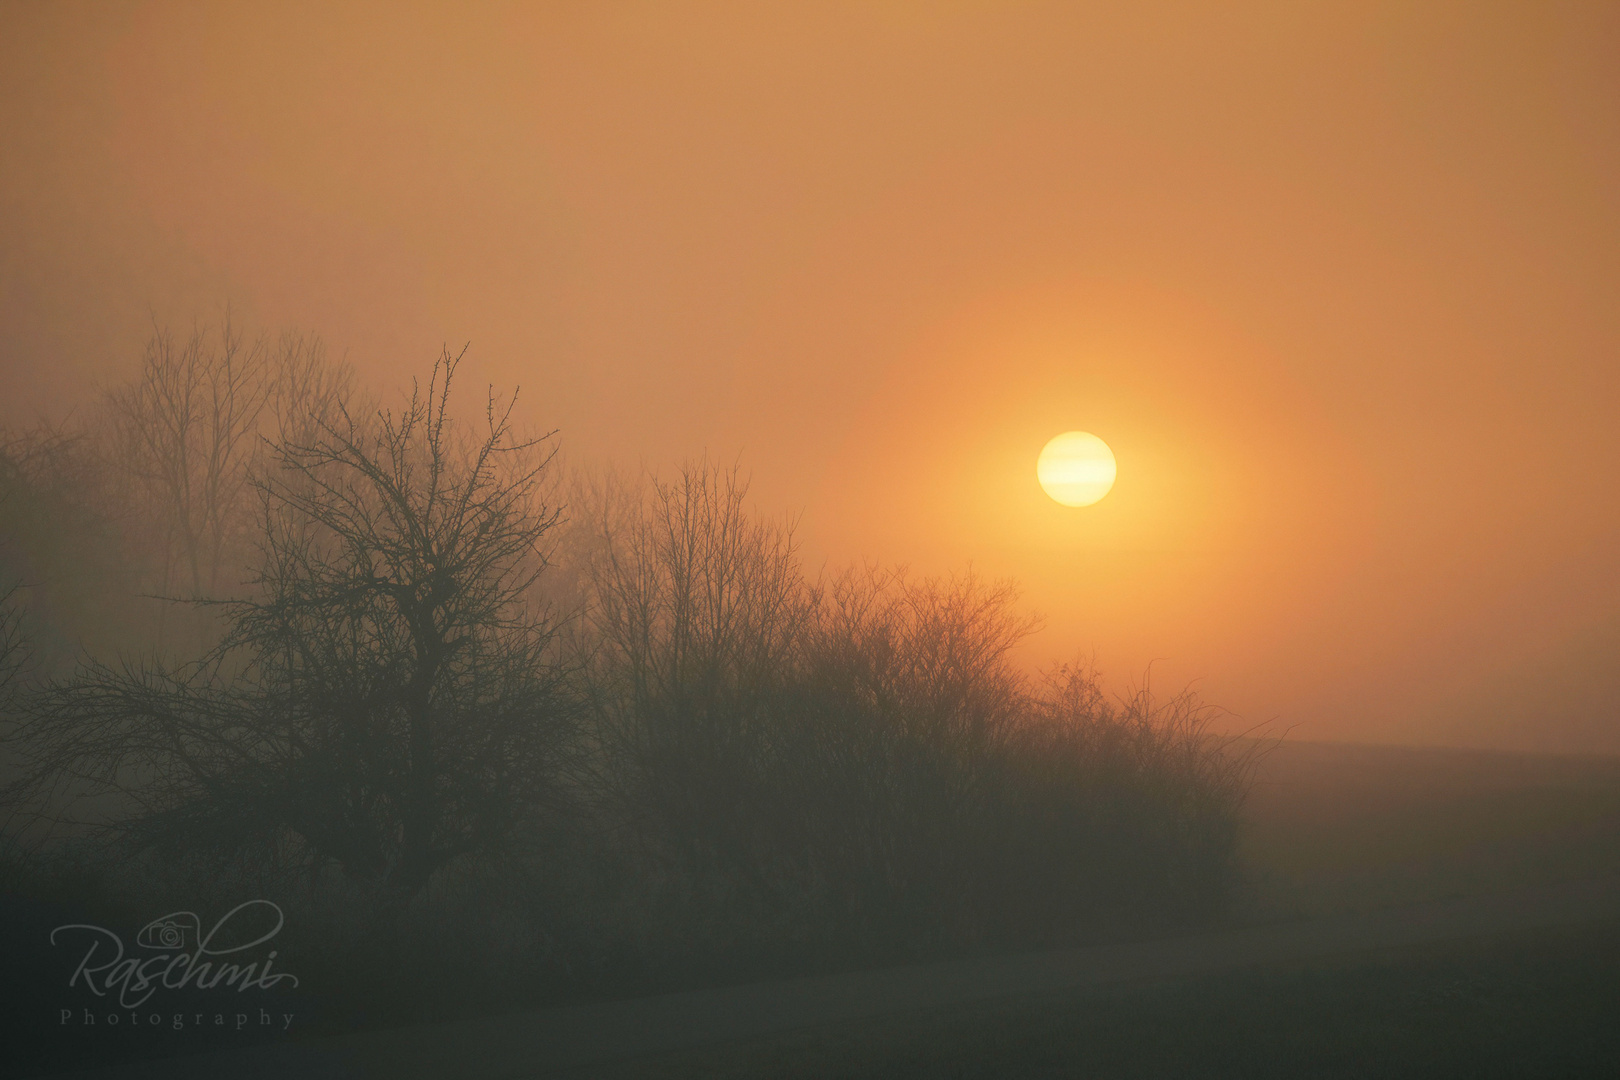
[1076, 468]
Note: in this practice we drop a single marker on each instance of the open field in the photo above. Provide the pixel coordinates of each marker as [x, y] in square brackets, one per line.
[1537, 1004]
[1407, 912]
[1332, 827]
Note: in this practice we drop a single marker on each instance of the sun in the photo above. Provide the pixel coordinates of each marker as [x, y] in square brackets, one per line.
[1076, 468]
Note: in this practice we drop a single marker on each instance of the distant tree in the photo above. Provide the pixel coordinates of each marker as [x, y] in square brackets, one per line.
[186, 434]
[388, 699]
[307, 389]
[185, 430]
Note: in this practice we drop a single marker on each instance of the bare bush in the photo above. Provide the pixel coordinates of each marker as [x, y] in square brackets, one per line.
[862, 760]
[695, 616]
[1107, 806]
[903, 694]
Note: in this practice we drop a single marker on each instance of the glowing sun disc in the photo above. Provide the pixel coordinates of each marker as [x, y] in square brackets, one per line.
[1076, 468]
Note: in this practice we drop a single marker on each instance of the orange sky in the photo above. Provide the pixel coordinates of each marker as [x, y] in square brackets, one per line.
[1337, 285]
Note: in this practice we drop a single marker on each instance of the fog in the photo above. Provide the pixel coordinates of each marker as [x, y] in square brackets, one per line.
[1336, 285]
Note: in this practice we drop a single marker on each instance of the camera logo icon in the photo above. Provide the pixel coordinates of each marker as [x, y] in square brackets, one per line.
[177, 930]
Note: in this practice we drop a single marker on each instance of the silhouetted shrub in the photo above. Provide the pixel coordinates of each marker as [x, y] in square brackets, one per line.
[860, 763]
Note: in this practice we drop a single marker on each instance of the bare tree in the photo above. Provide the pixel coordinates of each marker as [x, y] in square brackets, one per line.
[307, 389]
[187, 433]
[388, 699]
[185, 430]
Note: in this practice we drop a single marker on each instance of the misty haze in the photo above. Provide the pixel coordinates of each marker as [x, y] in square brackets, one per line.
[547, 540]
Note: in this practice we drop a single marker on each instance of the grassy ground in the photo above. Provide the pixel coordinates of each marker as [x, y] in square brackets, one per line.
[1541, 1005]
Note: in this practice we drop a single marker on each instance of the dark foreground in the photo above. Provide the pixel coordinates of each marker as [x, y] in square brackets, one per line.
[1414, 913]
[1543, 1004]
[1509, 986]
